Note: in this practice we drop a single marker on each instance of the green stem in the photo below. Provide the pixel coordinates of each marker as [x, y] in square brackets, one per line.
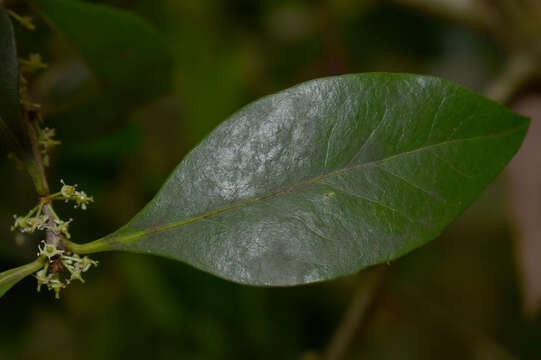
[56, 196]
[51, 210]
[89, 248]
[35, 173]
[33, 211]
[13, 276]
[35, 166]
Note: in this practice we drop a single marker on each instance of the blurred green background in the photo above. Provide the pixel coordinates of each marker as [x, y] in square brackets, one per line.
[457, 298]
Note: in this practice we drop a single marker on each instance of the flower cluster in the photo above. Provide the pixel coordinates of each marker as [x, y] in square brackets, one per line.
[70, 193]
[43, 217]
[46, 142]
[75, 264]
[52, 281]
[34, 220]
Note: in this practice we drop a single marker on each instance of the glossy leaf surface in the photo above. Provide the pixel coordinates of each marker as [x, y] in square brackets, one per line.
[129, 57]
[326, 178]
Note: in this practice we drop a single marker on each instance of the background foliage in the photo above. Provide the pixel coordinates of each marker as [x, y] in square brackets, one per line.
[456, 298]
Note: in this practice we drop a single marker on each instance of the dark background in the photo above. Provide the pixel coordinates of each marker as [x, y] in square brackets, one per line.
[457, 298]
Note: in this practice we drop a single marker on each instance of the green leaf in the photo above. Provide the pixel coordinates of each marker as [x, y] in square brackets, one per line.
[11, 123]
[326, 178]
[11, 277]
[129, 58]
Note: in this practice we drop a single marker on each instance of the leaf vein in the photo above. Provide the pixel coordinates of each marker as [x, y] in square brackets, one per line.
[350, 193]
[429, 193]
[139, 234]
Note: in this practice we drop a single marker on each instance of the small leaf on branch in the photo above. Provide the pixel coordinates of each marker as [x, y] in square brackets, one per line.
[12, 131]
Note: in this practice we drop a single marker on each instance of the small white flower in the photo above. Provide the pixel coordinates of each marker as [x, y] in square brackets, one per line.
[43, 277]
[20, 223]
[76, 274]
[82, 199]
[86, 263]
[49, 250]
[67, 190]
[61, 227]
[56, 285]
[38, 222]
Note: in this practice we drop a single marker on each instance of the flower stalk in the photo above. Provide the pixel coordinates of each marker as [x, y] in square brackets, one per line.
[58, 265]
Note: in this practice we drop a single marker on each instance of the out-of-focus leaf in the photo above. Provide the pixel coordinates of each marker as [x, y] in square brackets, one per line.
[121, 143]
[11, 277]
[11, 124]
[326, 178]
[129, 58]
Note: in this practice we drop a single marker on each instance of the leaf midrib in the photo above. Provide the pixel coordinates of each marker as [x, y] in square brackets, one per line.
[139, 234]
